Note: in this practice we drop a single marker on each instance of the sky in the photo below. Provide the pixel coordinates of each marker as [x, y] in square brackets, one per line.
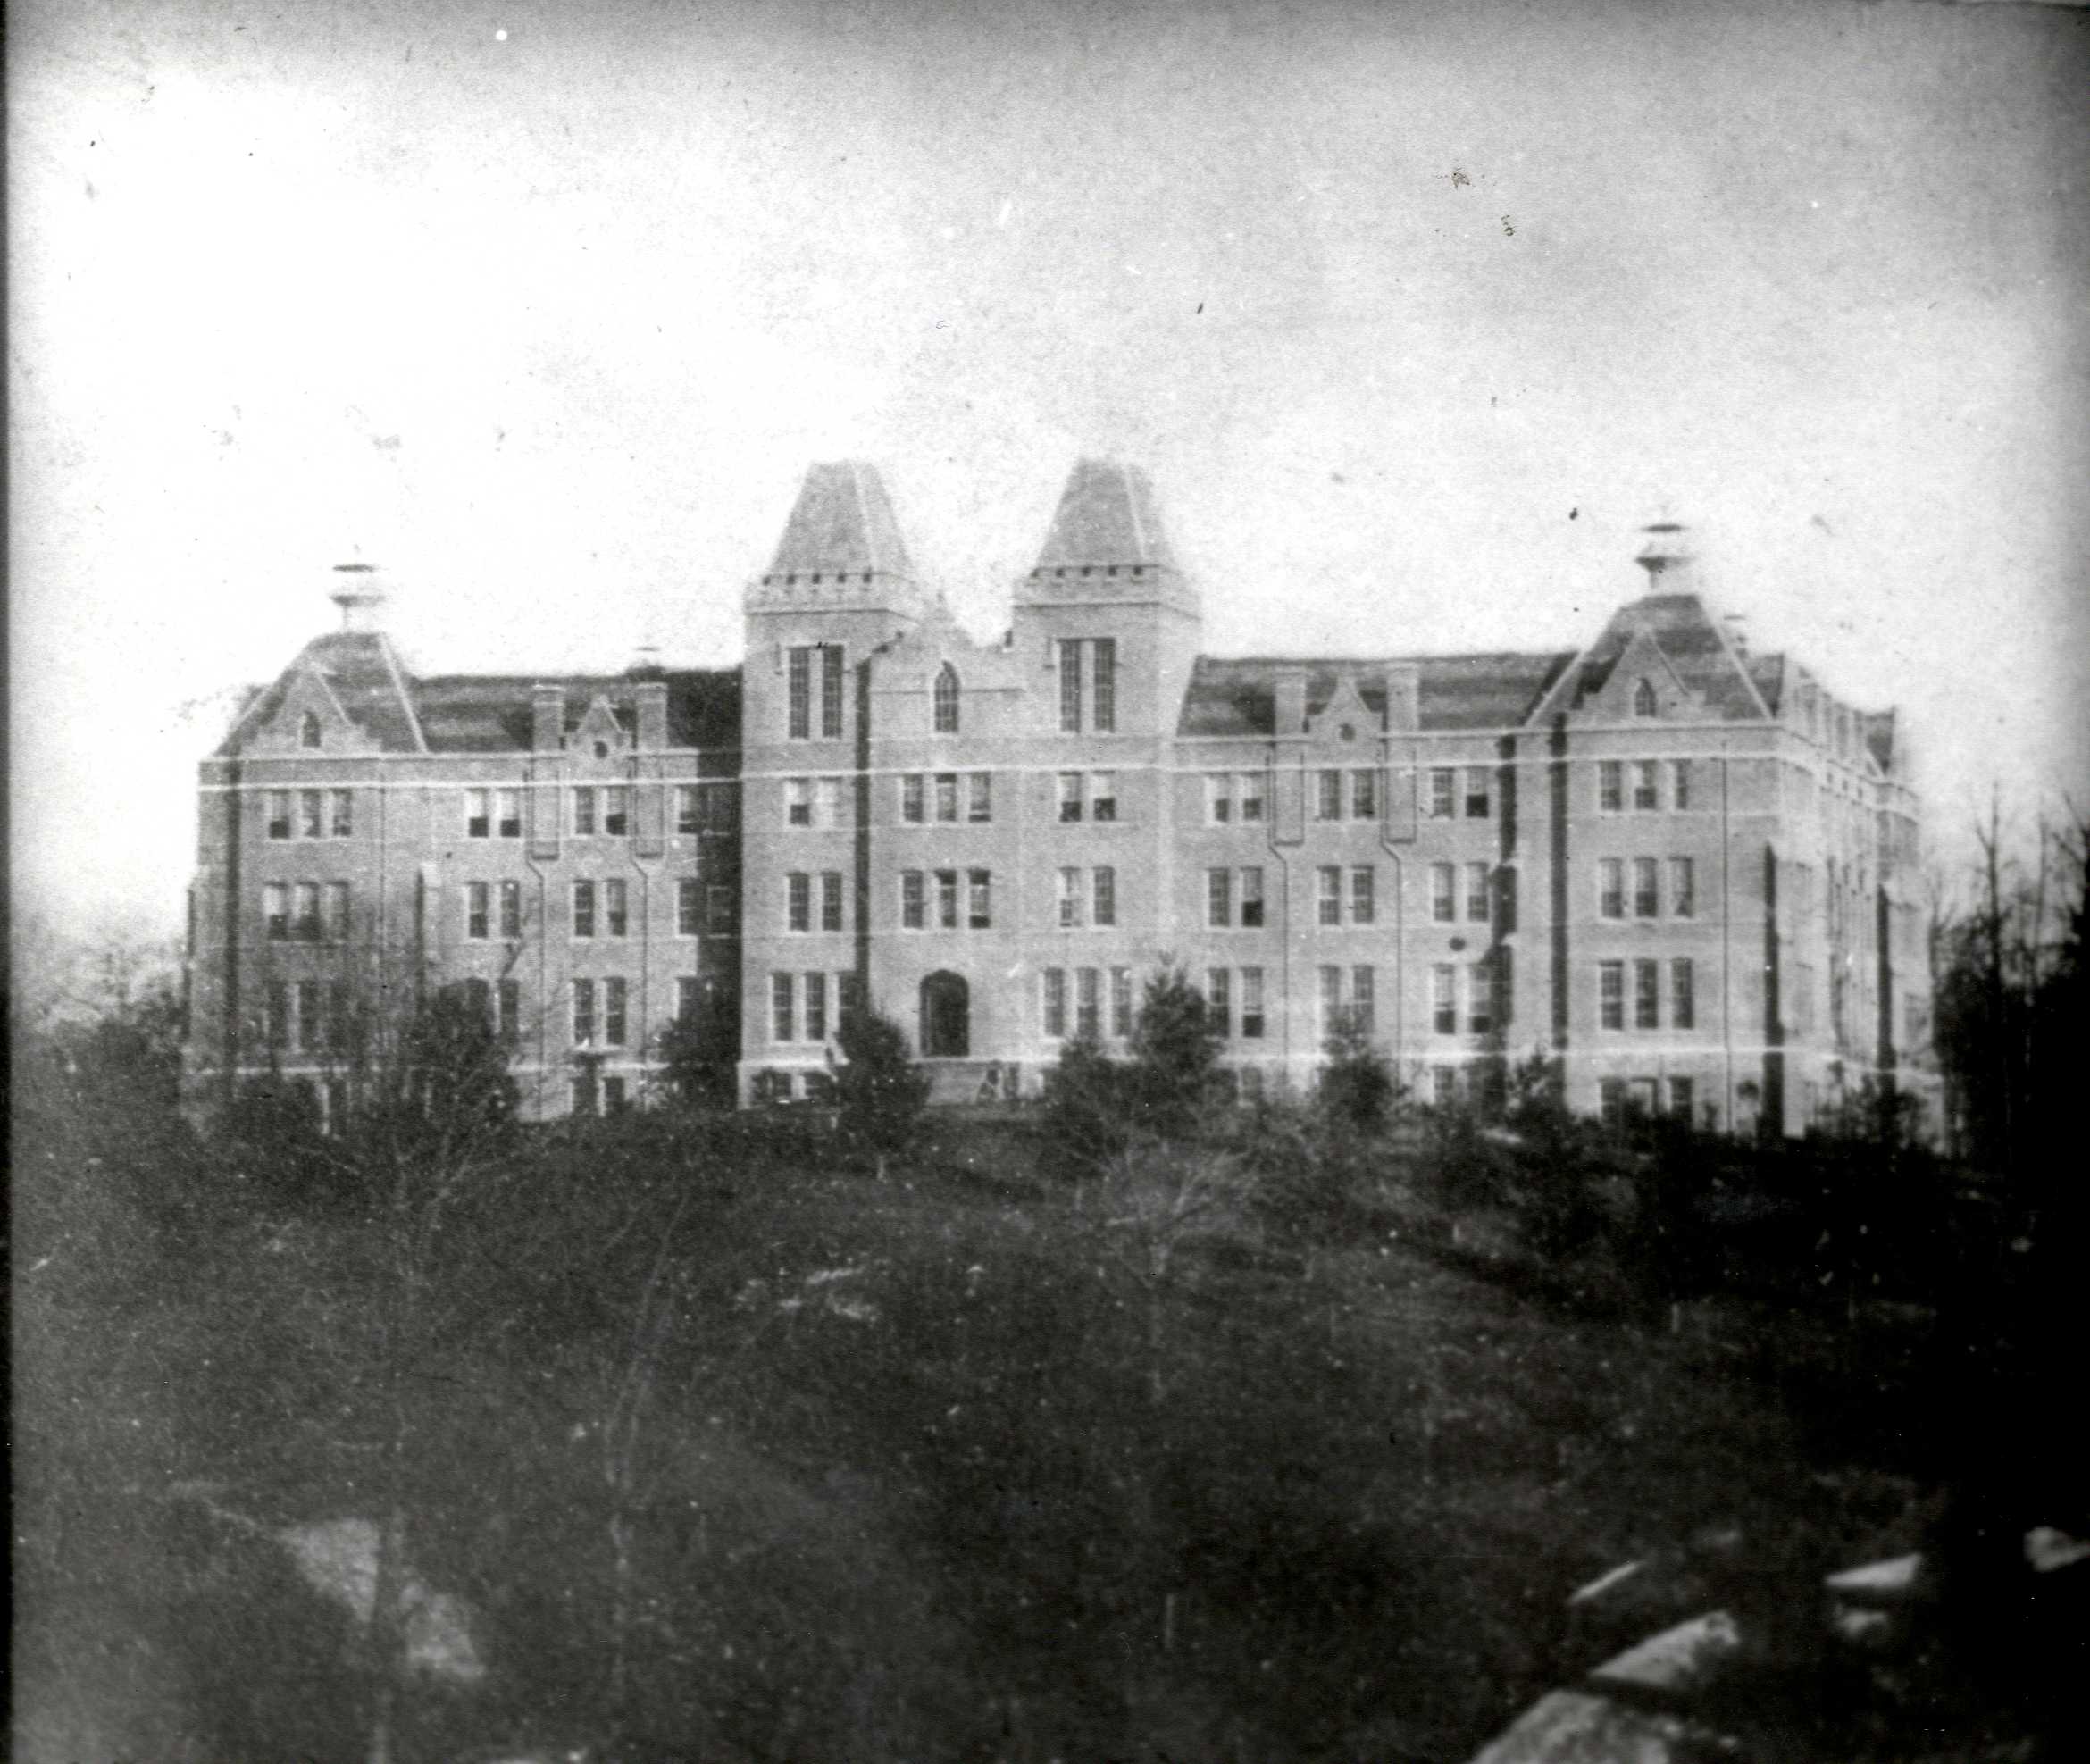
[1415, 314]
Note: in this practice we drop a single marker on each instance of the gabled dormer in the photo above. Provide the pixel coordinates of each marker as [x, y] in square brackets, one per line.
[307, 718]
[599, 740]
[1345, 719]
[1642, 686]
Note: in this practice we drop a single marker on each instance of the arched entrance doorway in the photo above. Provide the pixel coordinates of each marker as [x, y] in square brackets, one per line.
[947, 1016]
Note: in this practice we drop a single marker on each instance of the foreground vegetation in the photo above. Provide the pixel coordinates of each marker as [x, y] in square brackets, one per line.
[1279, 1433]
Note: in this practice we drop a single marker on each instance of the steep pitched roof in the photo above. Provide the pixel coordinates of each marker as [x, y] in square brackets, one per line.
[1238, 696]
[363, 673]
[1769, 674]
[1690, 640]
[842, 521]
[1106, 517]
[483, 713]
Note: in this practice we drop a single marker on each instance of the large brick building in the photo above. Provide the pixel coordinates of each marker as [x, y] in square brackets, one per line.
[1683, 872]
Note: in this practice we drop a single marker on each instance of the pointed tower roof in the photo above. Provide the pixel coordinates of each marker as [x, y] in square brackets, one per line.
[1106, 543]
[842, 524]
[1106, 517]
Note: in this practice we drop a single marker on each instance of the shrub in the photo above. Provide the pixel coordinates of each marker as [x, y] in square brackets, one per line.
[1357, 1090]
[1175, 1051]
[879, 1087]
[700, 1050]
[1088, 1108]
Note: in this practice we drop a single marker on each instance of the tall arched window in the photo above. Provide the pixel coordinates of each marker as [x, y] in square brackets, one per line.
[308, 730]
[946, 701]
[1644, 699]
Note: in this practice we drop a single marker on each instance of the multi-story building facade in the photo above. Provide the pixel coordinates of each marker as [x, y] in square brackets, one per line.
[1681, 873]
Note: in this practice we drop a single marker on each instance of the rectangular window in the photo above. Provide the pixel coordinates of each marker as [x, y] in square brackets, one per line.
[1102, 796]
[583, 909]
[978, 797]
[1682, 888]
[478, 814]
[1443, 792]
[1477, 793]
[1251, 1004]
[280, 814]
[798, 902]
[798, 696]
[616, 906]
[979, 900]
[815, 986]
[1331, 1001]
[1103, 896]
[311, 814]
[1444, 998]
[1218, 798]
[1121, 1003]
[782, 988]
[614, 1096]
[689, 996]
[1444, 893]
[583, 1013]
[1251, 898]
[1477, 893]
[828, 801]
[830, 692]
[312, 1015]
[616, 810]
[1055, 1002]
[613, 1011]
[1219, 1000]
[1363, 1006]
[946, 900]
[1364, 796]
[1327, 796]
[343, 825]
[947, 796]
[509, 813]
[1642, 1097]
[308, 912]
[476, 924]
[688, 908]
[1250, 794]
[913, 912]
[584, 822]
[1070, 899]
[508, 995]
[1611, 888]
[1364, 903]
[831, 900]
[688, 809]
[1680, 1100]
[1610, 786]
[1611, 995]
[1647, 995]
[1218, 898]
[1087, 1004]
[1106, 648]
[1070, 796]
[276, 911]
[1682, 994]
[511, 909]
[277, 1006]
[478, 998]
[1647, 897]
[1480, 998]
[1070, 685]
[1646, 785]
[1329, 907]
[797, 802]
[913, 801]
[718, 908]
[1611, 1101]
[337, 911]
[1680, 798]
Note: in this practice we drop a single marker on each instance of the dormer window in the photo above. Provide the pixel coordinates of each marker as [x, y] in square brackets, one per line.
[946, 700]
[308, 730]
[1644, 699]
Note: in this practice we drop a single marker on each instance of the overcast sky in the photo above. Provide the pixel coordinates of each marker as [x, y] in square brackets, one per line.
[544, 308]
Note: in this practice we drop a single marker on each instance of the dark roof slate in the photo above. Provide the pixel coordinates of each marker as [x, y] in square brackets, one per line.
[1496, 691]
[484, 713]
[1687, 637]
[363, 676]
[1106, 517]
[842, 521]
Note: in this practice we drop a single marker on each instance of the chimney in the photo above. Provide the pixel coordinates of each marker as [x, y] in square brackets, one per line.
[547, 718]
[1737, 631]
[1291, 701]
[1403, 683]
[651, 697]
[360, 594]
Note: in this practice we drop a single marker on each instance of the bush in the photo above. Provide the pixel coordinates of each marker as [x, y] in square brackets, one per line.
[880, 1089]
[1175, 1052]
[701, 1050]
[1088, 1108]
[1357, 1090]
